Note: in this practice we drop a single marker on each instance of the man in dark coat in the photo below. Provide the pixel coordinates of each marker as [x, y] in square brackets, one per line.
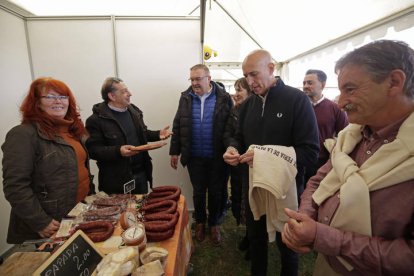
[115, 128]
[276, 115]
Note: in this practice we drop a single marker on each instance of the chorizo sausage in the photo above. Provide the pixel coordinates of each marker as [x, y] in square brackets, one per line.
[161, 226]
[159, 236]
[166, 210]
[175, 189]
[166, 188]
[158, 210]
[97, 231]
[174, 197]
[159, 216]
[160, 194]
[169, 209]
[153, 206]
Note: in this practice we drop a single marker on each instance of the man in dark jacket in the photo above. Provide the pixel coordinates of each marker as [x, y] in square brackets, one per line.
[276, 115]
[198, 131]
[115, 127]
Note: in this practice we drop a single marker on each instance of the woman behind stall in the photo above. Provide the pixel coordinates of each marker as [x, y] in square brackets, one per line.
[45, 164]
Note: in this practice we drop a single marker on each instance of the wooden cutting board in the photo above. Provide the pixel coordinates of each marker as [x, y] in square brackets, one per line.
[23, 263]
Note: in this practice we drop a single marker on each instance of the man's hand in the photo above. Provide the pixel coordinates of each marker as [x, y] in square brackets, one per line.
[127, 152]
[231, 156]
[174, 161]
[50, 229]
[299, 232]
[165, 133]
[247, 157]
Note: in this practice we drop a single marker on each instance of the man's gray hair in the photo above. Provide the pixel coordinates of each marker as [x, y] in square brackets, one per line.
[379, 58]
[200, 66]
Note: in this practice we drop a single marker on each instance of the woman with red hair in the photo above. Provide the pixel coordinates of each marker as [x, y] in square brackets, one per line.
[45, 164]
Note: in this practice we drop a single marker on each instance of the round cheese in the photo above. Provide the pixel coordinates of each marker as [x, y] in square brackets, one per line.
[133, 235]
[128, 219]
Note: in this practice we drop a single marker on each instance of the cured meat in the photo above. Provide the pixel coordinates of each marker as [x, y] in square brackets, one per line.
[106, 211]
[160, 194]
[113, 200]
[159, 236]
[160, 216]
[166, 206]
[162, 225]
[166, 188]
[97, 231]
[164, 193]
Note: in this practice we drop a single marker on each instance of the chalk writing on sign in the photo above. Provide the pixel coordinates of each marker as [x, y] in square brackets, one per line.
[77, 256]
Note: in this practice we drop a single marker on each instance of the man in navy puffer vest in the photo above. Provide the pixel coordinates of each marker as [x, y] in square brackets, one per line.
[198, 131]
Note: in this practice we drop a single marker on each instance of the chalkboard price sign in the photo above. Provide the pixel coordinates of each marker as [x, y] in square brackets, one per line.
[78, 256]
[129, 186]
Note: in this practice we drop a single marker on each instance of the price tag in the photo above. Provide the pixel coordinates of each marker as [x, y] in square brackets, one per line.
[77, 256]
[129, 186]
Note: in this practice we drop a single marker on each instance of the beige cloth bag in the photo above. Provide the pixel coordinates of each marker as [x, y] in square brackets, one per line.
[391, 164]
[272, 185]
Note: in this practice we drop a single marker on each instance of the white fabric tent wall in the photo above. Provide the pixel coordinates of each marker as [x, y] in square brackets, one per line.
[152, 56]
[15, 78]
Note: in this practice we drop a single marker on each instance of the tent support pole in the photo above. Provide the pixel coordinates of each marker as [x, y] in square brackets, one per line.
[238, 24]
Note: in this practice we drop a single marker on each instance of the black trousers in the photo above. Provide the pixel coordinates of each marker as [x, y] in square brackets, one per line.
[208, 176]
[141, 183]
[258, 241]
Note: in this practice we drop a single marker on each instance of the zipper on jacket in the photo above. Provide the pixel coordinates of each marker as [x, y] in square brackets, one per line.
[263, 103]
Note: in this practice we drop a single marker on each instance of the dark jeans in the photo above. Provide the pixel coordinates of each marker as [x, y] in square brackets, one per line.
[207, 175]
[258, 241]
[236, 180]
[225, 198]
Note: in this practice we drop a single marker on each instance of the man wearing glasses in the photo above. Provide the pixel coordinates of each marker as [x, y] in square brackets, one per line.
[198, 129]
[115, 128]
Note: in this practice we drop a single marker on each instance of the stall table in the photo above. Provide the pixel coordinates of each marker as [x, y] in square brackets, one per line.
[179, 246]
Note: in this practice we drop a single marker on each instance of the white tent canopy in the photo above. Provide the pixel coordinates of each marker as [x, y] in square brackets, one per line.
[152, 44]
[289, 30]
[235, 27]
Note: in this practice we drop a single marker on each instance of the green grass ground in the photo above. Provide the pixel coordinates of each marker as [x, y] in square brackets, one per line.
[228, 260]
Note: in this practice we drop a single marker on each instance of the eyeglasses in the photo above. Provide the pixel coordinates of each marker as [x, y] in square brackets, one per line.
[55, 97]
[197, 79]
